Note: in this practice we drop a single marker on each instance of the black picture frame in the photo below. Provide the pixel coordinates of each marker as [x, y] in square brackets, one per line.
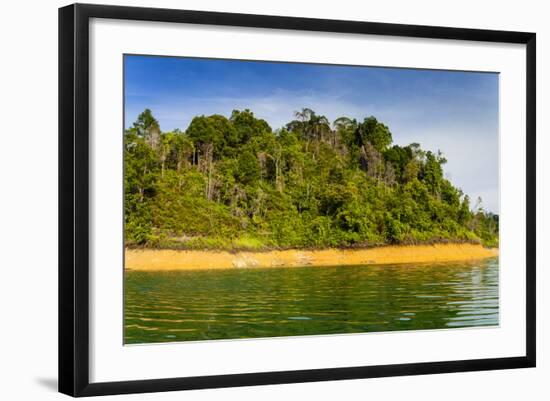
[74, 198]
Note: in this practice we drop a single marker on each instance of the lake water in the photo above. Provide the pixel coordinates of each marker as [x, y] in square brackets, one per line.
[249, 303]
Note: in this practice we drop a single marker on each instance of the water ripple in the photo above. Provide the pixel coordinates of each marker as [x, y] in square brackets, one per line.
[224, 304]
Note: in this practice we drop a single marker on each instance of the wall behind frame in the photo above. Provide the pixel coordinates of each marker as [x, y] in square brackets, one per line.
[28, 201]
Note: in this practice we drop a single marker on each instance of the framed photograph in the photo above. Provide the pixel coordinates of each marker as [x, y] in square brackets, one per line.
[250, 199]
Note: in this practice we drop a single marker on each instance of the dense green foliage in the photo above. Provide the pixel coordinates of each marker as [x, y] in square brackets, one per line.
[237, 184]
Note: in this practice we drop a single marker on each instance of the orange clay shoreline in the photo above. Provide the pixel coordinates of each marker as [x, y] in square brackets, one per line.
[167, 259]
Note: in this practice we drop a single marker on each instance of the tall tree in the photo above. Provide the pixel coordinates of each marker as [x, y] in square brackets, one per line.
[147, 127]
[310, 125]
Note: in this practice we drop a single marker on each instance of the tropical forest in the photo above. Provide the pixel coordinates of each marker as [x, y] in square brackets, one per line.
[238, 184]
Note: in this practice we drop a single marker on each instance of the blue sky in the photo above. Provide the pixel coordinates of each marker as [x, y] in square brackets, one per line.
[456, 112]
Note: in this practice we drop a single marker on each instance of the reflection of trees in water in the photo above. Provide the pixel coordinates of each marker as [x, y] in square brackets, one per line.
[477, 301]
[242, 303]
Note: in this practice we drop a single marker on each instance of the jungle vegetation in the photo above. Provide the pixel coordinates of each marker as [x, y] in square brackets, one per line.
[235, 183]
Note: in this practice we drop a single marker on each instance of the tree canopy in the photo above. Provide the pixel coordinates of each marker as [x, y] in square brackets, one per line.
[235, 183]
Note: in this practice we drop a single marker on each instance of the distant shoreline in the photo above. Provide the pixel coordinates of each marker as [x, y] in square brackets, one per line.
[167, 259]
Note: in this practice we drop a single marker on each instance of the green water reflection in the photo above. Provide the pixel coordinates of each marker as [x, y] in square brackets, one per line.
[247, 303]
